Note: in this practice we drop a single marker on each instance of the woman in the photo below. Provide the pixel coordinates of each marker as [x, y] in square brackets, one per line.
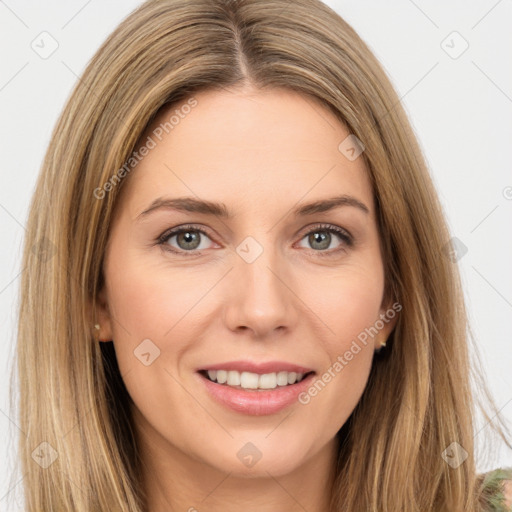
[248, 301]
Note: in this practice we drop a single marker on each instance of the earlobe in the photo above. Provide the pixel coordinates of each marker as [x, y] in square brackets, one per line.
[103, 323]
[385, 324]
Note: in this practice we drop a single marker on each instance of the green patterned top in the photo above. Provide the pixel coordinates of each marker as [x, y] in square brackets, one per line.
[492, 489]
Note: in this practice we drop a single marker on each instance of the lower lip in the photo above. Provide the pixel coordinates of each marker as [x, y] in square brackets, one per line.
[254, 402]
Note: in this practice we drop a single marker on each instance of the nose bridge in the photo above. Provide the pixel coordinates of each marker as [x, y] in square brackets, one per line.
[260, 300]
[258, 264]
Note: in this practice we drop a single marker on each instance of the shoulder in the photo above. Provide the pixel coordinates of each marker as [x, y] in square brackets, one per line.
[497, 489]
[507, 492]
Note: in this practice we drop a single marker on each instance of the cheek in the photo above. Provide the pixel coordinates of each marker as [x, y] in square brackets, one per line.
[151, 300]
[141, 303]
[153, 322]
[346, 302]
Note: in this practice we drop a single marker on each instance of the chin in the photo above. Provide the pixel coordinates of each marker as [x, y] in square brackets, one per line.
[260, 454]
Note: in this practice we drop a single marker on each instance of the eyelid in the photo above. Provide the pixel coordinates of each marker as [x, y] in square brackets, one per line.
[178, 229]
[342, 232]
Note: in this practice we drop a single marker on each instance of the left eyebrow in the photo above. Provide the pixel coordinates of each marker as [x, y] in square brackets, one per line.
[325, 205]
[191, 204]
[187, 204]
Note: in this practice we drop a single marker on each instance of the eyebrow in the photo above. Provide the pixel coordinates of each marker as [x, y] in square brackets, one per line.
[193, 205]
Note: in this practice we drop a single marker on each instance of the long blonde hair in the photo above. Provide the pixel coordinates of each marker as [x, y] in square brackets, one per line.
[418, 399]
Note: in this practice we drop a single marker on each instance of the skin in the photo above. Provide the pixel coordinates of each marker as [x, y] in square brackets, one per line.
[261, 154]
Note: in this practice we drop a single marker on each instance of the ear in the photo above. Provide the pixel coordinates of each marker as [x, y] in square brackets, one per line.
[103, 319]
[388, 317]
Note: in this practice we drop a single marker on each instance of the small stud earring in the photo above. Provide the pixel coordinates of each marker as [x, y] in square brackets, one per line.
[381, 347]
[97, 327]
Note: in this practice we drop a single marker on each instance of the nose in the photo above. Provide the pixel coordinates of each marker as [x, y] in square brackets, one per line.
[260, 296]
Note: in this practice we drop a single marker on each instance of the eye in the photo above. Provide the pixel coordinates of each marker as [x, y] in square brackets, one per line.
[320, 239]
[187, 238]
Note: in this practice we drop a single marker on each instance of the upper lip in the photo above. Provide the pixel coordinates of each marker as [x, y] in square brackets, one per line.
[261, 368]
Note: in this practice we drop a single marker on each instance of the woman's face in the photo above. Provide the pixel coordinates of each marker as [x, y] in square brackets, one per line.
[268, 289]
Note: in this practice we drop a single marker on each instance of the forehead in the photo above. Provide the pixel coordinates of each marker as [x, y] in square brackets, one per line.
[247, 148]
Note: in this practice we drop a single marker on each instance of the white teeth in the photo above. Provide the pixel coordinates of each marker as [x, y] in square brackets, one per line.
[233, 378]
[222, 376]
[268, 381]
[249, 380]
[282, 378]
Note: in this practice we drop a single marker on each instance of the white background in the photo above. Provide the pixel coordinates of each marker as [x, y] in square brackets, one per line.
[461, 110]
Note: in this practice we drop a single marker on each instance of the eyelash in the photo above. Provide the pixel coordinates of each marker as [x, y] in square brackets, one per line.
[345, 237]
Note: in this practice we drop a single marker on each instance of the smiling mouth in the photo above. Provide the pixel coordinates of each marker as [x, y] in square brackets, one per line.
[249, 381]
